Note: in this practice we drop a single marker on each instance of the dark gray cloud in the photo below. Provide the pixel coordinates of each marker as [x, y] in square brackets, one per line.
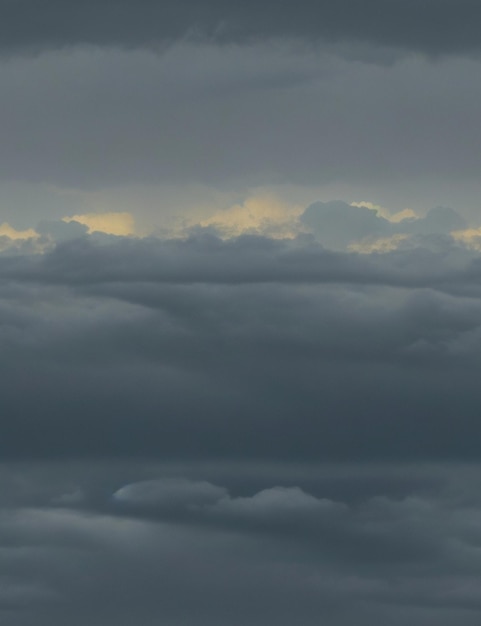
[247, 348]
[114, 263]
[235, 119]
[428, 25]
[159, 543]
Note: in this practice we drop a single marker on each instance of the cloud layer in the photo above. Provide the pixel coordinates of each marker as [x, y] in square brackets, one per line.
[252, 346]
[396, 542]
[226, 398]
[426, 25]
[247, 429]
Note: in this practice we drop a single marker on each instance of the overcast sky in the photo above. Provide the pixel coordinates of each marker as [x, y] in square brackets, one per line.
[240, 313]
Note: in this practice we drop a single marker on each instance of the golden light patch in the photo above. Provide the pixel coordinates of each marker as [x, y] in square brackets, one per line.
[382, 245]
[121, 224]
[8, 231]
[265, 215]
[470, 237]
[405, 214]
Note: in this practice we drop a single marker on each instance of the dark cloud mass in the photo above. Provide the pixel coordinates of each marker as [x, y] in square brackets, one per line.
[433, 26]
[190, 551]
[241, 431]
[255, 347]
[237, 118]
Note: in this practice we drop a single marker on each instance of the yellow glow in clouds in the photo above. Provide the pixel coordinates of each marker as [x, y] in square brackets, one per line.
[400, 216]
[121, 224]
[260, 214]
[471, 237]
[7, 231]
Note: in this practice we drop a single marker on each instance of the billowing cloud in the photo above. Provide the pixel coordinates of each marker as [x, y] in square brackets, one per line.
[248, 347]
[363, 226]
[59, 231]
[265, 215]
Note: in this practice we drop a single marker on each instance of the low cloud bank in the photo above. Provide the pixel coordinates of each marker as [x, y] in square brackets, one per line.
[207, 426]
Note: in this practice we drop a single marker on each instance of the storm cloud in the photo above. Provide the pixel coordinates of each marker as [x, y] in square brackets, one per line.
[240, 313]
[247, 429]
[431, 26]
[254, 347]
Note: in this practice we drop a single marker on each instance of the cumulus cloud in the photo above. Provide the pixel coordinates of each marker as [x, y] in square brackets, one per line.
[61, 231]
[13, 241]
[340, 225]
[266, 215]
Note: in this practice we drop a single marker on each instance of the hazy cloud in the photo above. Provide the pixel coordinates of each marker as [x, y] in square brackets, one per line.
[263, 115]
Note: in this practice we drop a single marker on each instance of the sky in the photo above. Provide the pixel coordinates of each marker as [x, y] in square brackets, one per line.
[240, 313]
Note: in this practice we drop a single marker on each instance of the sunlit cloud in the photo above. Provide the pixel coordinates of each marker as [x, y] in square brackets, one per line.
[8, 231]
[399, 216]
[470, 237]
[121, 224]
[264, 214]
[381, 245]
[13, 241]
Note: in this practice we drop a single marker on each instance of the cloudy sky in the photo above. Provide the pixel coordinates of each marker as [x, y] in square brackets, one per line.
[240, 313]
